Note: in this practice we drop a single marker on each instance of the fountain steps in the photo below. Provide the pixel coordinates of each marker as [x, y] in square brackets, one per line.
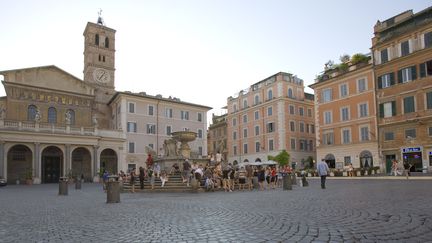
[174, 184]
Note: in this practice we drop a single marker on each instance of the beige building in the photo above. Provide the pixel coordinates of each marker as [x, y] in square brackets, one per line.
[272, 115]
[346, 130]
[149, 120]
[217, 136]
[402, 52]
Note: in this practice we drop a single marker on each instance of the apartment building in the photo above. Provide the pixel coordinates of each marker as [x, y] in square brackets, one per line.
[149, 120]
[346, 130]
[217, 136]
[271, 115]
[402, 53]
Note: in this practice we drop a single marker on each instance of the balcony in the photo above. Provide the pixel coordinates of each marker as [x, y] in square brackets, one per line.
[39, 127]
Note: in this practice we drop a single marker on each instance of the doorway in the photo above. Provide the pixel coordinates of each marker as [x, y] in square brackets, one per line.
[52, 164]
[389, 159]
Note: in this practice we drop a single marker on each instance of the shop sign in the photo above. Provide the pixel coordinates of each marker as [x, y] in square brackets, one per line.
[411, 150]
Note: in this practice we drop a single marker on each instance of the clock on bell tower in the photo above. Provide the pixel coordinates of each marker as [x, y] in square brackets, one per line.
[99, 55]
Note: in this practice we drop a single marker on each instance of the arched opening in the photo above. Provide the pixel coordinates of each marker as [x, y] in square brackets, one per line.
[81, 164]
[19, 163]
[257, 160]
[366, 159]
[108, 161]
[52, 164]
[330, 160]
[290, 93]
[31, 112]
[52, 115]
[245, 161]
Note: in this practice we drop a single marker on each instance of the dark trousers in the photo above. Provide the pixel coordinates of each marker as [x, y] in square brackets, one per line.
[323, 179]
[142, 183]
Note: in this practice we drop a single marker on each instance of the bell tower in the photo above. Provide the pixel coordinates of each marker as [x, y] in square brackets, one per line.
[99, 54]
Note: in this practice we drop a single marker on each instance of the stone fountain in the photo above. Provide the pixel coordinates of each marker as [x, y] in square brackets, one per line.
[184, 137]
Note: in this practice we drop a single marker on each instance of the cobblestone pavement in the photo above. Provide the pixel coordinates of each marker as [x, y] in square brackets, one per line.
[347, 211]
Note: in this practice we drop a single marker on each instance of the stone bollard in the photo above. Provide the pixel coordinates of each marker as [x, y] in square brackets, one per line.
[294, 179]
[113, 190]
[287, 182]
[255, 182]
[194, 184]
[304, 181]
[63, 186]
[77, 184]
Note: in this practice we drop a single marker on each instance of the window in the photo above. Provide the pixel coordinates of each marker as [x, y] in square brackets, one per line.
[52, 115]
[346, 136]
[326, 95]
[290, 93]
[312, 129]
[245, 132]
[169, 112]
[292, 126]
[200, 150]
[302, 144]
[364, 134]
[234, 135]
[257, 147]
[200, 117]
[271, 146]
[256, 100]
[269, 111]
[429, 100]
[407, 74]
[106, 42]
[97, 39]
[307, 128]
[409, 105]
[71, 114]
[344, 114]
[184, 115]
[257, 130]
[270, 127]
[388, 109]
[131, 147]
[363, 110]
[426, 69]
[405, 50]
[269, 94]
[234, 121]
[301, 111]
[410, 133]
[245, 105]
[361, 85]
[347, 160]
[168, 130]
[31, 112]
[389, 136]
[235, 150]
[200, 133]
[428, 39]
[245, 148]
[384, 56]
[291, 110]
[256, 113]
[311, 146]
[131, 127]
[150, 110]
[386, 80]
[131, 107]
[301, 127]
[293, 143]
[343, 89]
[245, 118]
[328, 138]
[235, 107]
[430, 131]
[309, 112]
[327, 117]
[151, 129]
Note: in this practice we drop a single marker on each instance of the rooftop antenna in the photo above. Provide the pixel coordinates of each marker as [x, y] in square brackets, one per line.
[100, 19]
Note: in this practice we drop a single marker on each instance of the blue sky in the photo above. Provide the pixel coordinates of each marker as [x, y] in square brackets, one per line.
[199, 51]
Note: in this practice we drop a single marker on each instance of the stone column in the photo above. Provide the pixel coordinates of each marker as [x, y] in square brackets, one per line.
[37, 164]
[2, 160]
[95, 166]
[67, 159]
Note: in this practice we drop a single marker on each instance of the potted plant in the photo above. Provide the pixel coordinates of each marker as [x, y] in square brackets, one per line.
[29, 177]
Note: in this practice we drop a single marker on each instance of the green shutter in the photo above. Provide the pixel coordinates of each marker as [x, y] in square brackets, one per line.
[393, 108]
[422, 70]
[414, 72]
[381, 110]
[380, 82]
[399, 73]
[429, 100]
[392, 79]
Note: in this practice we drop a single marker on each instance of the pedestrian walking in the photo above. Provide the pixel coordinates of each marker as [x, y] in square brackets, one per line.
[323, 171]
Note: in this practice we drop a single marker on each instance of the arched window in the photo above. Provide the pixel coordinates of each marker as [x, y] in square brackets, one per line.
[290, 93]
[257, 160]
[106, 42]
[245, 104]
[97, 39]
[52, 115]
[71, 116]
[31, 112]
[269, 94]
[256, 99]
[366, 159]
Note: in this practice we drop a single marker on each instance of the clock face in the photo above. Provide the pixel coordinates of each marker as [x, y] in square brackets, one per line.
[101, 75]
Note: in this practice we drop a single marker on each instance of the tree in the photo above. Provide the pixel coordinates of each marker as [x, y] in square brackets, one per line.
[282, 158]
